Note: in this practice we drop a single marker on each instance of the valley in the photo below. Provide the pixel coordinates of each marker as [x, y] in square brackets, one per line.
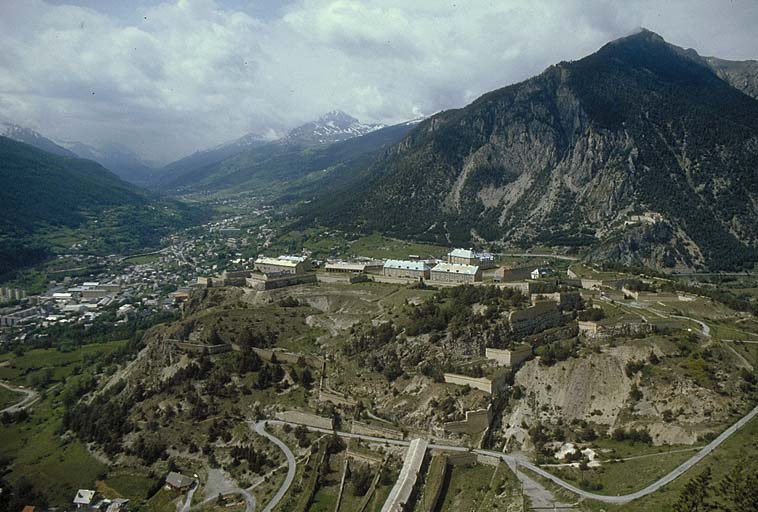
[219, 379]
[544, 299]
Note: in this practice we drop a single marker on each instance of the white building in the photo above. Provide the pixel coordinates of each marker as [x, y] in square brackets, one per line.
[406, 269]
[282, 265]
[471, 257]
[541, 272]
[84, 498]
[456, 273]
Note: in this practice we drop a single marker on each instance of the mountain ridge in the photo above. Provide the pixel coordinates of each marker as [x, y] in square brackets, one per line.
[567, 157]
[42, 193]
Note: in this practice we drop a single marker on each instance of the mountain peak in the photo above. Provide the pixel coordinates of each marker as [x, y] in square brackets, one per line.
[334, 126]
[337, 115]
[32, 137]
[640, 35]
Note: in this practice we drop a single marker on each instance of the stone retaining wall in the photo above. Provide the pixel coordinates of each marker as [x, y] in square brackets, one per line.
[509, 357]
[358, 427]
[304, 418]
[475, 422]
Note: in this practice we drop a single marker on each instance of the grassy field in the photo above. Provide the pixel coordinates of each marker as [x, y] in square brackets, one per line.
[128, 483]
[626, 476]
[142, 259]
[377, 246]
[163, 501]
[435, 478]
[738, 450]
[56, 465]
[42, 367]
[504, 491]
[465, 487]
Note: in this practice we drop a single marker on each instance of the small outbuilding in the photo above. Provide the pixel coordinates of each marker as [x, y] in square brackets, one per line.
[84, 498]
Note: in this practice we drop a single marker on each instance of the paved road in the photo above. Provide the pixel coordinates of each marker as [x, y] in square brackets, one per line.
[511, 460]
[673, 475]
[260, 428]
[703, 326]
[30, 396]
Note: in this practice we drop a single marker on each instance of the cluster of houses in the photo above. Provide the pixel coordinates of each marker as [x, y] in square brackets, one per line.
[71, 301]
[88, 500]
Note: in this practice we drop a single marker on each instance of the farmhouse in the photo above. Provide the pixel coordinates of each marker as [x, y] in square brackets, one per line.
[406, 269]
[470, 257]
[282, 265]
[456, 273]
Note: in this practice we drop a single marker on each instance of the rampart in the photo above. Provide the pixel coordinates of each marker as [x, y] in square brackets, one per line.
[475, 422]
[358, 427]
[304, 418]
[509, 357]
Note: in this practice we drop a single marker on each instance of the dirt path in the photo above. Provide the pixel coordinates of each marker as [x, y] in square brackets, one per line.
[30, 397]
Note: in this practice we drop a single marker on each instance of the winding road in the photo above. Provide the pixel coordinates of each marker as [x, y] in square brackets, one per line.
[260, 428]
[30, 397]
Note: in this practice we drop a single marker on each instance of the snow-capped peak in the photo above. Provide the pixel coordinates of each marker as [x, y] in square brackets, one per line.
[334, 126]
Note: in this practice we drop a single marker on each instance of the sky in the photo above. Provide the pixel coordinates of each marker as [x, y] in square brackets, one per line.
[167, 78]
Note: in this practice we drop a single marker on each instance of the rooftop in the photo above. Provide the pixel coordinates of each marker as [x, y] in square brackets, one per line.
[281, 261]
[84, 497]
[456, 268]
[470, 253]
[175, 479]
[406, 265]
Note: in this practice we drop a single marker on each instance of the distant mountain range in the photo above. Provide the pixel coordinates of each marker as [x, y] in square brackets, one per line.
[238, 164]
[122, 161]
[641, 153]
[33, 138]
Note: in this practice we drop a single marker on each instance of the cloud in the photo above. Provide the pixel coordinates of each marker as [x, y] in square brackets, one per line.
[169, 78]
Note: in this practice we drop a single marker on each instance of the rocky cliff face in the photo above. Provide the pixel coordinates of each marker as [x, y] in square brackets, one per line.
[573, 156]
[740, 74]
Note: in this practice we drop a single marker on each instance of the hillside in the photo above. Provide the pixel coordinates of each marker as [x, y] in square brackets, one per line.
[740, 74]
[120, 160]
[181, 170]
[638, 153]
[290, 165]
[33, 138]
[41, 193]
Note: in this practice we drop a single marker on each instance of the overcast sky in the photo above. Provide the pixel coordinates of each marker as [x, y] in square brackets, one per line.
[168, 78]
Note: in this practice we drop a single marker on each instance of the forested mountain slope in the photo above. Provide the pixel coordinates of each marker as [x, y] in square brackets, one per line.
[287, 166]
[41, 193]
[570, 157]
